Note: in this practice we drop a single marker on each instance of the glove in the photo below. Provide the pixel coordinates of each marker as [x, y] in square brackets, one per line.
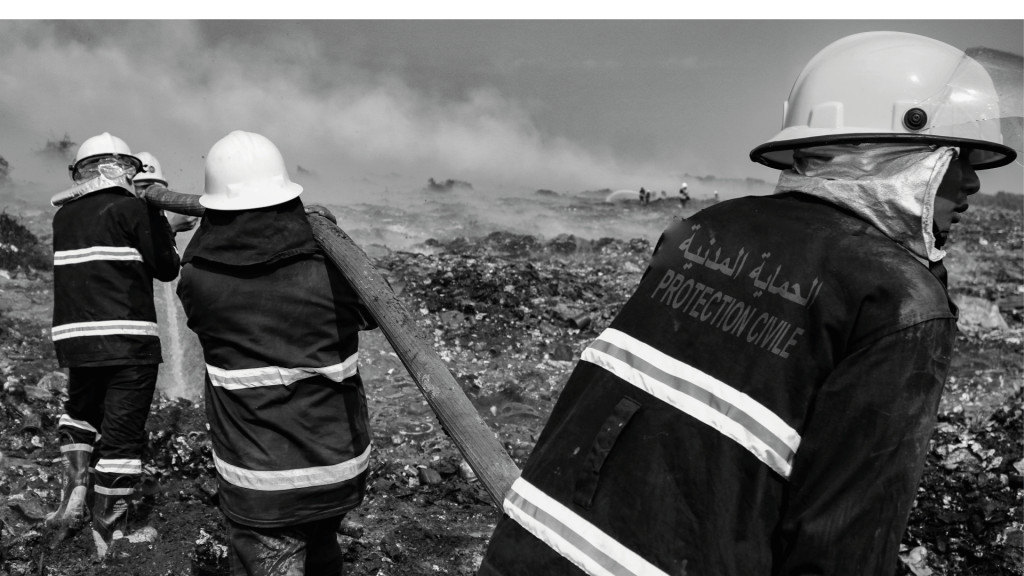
[320, 210]
[182, 223]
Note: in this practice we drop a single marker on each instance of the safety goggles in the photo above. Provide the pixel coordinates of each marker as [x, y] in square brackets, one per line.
[110, 167]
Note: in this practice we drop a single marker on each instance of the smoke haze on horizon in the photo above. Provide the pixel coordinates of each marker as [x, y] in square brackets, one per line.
[367, 106]
[174, 93]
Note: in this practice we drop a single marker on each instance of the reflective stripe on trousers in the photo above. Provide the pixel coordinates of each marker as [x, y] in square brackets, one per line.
[130, 466]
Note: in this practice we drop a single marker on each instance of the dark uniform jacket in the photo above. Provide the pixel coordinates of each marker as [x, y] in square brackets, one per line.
[761, 405]
[278, 325]
[108, 247]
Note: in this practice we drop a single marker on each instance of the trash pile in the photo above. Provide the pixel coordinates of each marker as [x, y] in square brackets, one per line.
[20, 250]
[968, 510]
[968, 515]
[985, 263]
[506, 291]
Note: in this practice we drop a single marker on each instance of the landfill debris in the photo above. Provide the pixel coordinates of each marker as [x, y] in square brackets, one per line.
[917, 561]
[144, 534]
[979, 313]
[511, 313]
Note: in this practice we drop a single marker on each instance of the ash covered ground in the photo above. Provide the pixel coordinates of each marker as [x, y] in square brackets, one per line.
[509, 314]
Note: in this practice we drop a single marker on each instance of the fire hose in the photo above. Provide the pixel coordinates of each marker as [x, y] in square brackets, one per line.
[457, 415]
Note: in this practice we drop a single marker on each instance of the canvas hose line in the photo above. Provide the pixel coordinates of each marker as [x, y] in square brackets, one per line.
[457, 415]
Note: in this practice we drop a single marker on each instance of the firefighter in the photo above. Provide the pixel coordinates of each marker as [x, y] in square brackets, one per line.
[762, 404]
[108, 247]
[279, 329]
[151, 174]
[684, 196]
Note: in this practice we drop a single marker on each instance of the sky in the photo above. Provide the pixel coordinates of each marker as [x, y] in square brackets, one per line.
[361, 107]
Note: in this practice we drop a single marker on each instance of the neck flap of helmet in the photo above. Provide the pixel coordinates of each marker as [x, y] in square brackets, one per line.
[94, 184]
[892, 186]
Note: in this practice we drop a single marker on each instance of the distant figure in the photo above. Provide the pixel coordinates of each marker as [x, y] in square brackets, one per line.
[684, 196]
[152, 174]
[716, 196]
[644, 196]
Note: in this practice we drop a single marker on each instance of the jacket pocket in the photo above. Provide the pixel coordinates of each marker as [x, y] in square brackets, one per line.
[588, 476]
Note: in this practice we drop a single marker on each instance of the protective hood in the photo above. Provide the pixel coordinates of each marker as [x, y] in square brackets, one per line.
[892, 186]
[252, 237]
[96, 184]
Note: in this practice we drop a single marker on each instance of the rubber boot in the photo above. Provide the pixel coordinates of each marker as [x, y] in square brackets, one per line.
[109, 520]
[90, 497]
[73, 513]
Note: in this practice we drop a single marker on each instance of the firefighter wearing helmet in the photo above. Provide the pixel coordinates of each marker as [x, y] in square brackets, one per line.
[279, 327]
[152, 174]
[108, 246]
[762, 404]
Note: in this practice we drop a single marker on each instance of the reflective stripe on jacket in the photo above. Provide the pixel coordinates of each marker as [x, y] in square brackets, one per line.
[761, 405]
[108, 248]
[286, 407]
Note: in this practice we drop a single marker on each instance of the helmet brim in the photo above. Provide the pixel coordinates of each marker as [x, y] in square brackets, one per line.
[253, 198]
[984, 155]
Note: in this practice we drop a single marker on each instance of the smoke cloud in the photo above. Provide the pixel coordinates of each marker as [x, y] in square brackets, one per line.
[173, 88]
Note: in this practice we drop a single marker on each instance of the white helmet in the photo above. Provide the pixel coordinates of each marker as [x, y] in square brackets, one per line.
[151, 171]
[103, 146]
[892, 87]
[245, 170]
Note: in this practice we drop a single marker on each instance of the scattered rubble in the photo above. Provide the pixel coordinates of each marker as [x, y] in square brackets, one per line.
[20, 250]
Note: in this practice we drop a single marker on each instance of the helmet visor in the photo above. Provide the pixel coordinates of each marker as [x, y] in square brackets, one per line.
[981, 103]
[1007, 73]
[977, 108]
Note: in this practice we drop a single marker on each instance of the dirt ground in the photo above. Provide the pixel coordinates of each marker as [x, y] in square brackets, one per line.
[509, 315]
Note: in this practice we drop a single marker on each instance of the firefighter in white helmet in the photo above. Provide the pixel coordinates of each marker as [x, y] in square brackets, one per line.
[684, 196]
[279, 329]
[762, 405]
[151, 174]
[108, 247]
